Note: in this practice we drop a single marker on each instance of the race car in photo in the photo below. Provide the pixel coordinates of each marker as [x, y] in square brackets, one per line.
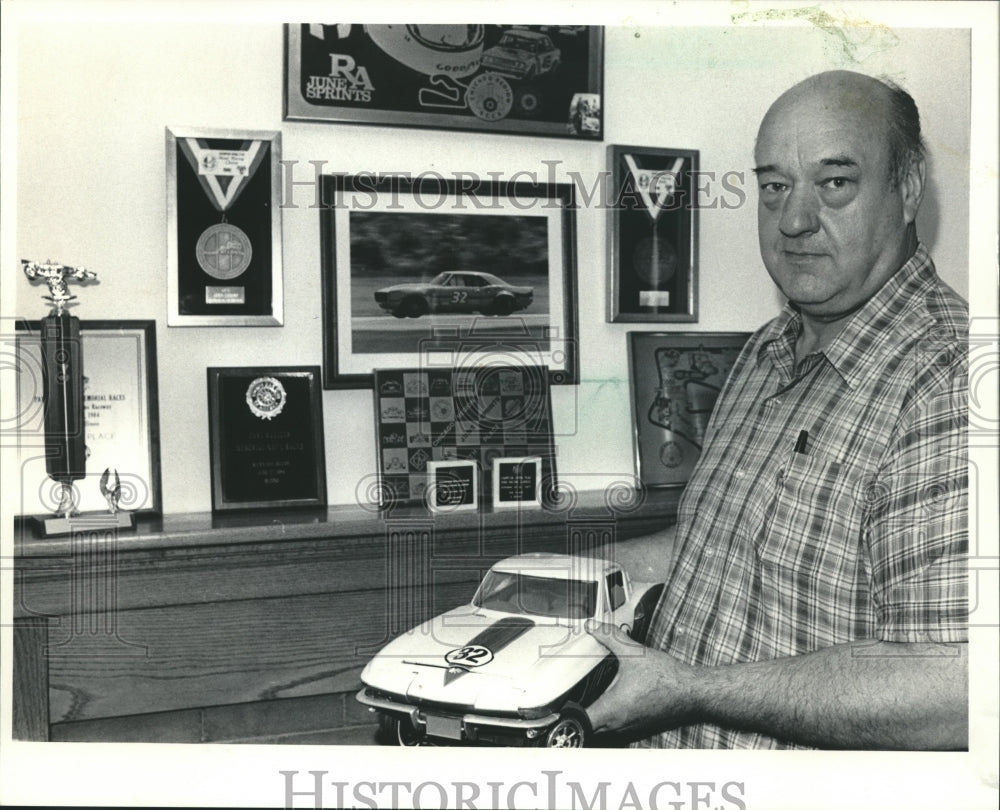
[522, 55]
[516, 666]
[464, 291]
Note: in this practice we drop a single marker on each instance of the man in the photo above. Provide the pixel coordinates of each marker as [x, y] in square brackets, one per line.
[818, 596]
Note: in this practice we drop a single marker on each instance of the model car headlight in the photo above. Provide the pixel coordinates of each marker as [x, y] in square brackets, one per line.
[501, 698]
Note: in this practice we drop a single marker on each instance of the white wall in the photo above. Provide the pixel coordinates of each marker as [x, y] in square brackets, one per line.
[93, 101]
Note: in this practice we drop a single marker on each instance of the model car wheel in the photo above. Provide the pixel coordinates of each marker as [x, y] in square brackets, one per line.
[397, 731]
[412, 307]
[570, 731]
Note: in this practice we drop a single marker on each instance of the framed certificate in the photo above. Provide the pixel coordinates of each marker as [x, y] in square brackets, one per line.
[517, 482]
[223, 228]
[121, 418]
[452, 486]
[266, 436]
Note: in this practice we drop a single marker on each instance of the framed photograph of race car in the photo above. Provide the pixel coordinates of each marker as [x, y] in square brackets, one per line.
[424, 272]
[675, 379]
[516, 79]
[652, 269]
[223, 227]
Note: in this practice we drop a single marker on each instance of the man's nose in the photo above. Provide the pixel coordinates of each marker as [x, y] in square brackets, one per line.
[800, 214]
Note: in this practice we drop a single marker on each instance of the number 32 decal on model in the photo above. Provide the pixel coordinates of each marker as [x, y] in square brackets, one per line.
[470, 656]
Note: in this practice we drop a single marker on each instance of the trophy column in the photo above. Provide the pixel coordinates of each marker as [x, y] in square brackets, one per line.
[62, 387]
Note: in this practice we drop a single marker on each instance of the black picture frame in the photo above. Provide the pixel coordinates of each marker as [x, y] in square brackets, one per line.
[121, 417]
[653, 227]
[224, 263]
[542, 80]
[674, 381]
[266, 438]
[380, 231]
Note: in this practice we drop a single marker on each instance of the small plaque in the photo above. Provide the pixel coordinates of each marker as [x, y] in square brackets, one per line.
[517, 482]
[452, 486]
[266, 431]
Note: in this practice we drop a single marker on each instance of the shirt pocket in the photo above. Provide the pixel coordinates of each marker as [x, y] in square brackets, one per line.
[812, 521]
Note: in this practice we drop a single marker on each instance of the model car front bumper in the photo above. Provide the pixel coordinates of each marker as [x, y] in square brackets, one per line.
[425, 720]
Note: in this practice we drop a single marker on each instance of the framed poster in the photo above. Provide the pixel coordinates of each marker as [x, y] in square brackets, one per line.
[675, 379]
[517, 79]
[121, 418]
[653, 270]
[266, 437]
[476, 415]
[420, 272]
[223, 228]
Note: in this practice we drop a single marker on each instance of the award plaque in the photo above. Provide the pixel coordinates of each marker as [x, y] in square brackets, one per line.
[517, 482]
[266, 435]
[452, 486]
[653, 235]
[224, 232]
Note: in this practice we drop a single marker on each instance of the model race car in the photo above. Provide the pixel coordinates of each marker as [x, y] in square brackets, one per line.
[465, 291]
[514, 667]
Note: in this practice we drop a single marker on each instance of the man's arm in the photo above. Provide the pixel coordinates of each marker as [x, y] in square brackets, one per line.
[866, 694]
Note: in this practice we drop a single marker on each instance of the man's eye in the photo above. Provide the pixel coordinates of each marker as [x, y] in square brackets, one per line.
[836, 182]
[773, 187]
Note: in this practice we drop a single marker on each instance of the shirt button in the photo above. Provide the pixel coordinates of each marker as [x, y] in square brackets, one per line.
[710, 552]
[776, 401]
[680, 629]
[741, 473]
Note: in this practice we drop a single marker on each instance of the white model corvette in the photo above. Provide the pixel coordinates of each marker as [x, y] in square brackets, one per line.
[513, 667]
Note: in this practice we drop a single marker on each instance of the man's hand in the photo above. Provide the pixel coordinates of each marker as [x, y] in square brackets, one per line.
[647, 695]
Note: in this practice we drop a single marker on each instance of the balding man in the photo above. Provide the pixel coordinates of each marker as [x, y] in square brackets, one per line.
[818, 596]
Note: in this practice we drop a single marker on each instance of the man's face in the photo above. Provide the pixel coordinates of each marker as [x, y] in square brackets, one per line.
[832, 228]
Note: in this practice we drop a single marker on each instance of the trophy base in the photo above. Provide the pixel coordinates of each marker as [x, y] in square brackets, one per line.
[55, 526]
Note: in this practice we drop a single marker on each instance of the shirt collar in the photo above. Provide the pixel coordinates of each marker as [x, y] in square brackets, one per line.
[893, 312]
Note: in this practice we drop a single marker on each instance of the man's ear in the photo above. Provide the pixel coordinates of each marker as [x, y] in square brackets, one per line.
[912, 188]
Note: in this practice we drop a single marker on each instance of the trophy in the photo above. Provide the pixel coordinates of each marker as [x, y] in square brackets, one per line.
[65, 433]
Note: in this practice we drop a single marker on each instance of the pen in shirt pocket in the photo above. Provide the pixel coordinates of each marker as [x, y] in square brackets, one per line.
[800, 443]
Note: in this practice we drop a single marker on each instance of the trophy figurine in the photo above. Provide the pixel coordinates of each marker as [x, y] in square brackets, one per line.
[62, 390]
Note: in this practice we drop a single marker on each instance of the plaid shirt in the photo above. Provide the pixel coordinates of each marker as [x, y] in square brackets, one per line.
[861, 536]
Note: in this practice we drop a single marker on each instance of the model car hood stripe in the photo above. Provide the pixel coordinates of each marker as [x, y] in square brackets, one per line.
[502, 633]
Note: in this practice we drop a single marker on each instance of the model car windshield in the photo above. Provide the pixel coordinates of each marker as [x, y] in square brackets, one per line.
[537, 596]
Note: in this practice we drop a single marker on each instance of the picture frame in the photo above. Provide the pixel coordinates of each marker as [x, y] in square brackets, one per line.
[517, 482]
[653, 226]
[542, 80]
[452, 486]
[421, 271]
[121, 415]
[431, 414]
[674, 381]
[266, 438]
[224, 265]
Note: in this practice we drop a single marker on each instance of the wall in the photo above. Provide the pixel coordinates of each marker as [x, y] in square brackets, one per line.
[93, 101]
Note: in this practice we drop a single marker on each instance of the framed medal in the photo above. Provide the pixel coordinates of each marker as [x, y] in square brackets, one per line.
[223, 228]
[653, 225]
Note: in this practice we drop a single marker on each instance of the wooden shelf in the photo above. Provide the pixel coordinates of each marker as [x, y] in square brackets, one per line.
[196, 610]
